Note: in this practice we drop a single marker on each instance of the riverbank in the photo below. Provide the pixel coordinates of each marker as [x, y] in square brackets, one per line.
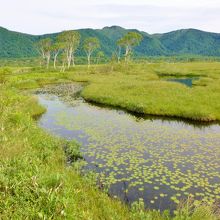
[35, 180]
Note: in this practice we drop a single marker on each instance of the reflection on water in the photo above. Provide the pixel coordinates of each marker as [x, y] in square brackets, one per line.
[160, 161]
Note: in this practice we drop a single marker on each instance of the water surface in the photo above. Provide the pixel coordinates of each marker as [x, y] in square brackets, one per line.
[158, 160]
[185, 81]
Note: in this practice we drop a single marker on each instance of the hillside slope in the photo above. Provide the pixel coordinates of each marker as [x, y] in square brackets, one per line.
[191, 41]
[14, 44]
[180, 42]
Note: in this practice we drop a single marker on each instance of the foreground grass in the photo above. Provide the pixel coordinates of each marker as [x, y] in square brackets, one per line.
[35, 182]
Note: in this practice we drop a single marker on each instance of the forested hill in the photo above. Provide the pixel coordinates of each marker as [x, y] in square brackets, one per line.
[180, 42]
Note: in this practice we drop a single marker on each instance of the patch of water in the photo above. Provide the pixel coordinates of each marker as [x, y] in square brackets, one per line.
[159, 161]
[186, 81]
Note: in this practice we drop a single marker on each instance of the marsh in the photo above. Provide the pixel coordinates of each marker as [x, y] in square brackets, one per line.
[159, 160]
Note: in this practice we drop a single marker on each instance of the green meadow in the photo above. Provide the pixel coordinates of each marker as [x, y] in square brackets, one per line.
[142, 88]
[35, 180]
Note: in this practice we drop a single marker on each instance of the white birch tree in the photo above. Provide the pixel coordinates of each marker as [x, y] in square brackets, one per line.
[90, 45]
[44, 48]
[130, 40]
[70, 41]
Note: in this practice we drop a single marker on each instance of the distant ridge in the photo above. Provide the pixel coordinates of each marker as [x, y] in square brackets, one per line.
[180, 42]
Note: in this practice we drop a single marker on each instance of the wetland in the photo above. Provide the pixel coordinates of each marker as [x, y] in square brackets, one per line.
[159, 161]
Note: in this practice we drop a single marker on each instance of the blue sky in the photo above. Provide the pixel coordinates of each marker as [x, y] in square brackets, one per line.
[152, 16]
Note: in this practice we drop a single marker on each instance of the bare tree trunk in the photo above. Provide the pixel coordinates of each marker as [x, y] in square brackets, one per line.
[89, 63]
[63, 67]
[48, 60]
[118, 54]
[69, 62]
[69, 59]
[55, 60]
[118, 58]
[127, 52]
[73, 60]
[42, 58]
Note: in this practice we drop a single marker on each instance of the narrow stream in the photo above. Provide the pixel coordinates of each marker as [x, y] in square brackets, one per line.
[161, 161]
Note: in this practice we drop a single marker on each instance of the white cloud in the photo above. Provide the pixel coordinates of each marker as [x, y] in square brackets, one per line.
[45, 16]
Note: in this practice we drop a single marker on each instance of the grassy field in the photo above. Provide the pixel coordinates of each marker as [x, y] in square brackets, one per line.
[143, 88]
[140, 89]
[36, 183]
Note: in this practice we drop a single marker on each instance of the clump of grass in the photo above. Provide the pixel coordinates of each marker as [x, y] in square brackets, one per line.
[72, 150]
[27, 84]
[204, 81]
[188, 210]
[3, 74]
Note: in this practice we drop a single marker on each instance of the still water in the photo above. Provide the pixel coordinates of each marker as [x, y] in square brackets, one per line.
[160, 161]
[185, 81]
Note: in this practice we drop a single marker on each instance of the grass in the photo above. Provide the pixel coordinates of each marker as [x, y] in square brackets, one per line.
[36, 183]
[138, 88]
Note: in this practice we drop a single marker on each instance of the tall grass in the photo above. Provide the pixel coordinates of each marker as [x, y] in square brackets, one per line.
[35, 182]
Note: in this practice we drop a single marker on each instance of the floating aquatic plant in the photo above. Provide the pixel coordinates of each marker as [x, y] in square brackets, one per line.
[162, 161]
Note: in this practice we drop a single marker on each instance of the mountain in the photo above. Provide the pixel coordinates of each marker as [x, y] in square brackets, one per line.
[14, 44]
[180, 42]
[191, 41]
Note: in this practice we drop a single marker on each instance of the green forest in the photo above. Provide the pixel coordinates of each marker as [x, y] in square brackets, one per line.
[180, 42]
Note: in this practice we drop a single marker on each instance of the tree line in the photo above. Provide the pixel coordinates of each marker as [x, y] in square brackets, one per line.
[67, 43]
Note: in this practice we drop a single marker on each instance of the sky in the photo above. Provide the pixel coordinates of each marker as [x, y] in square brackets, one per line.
[152, 16]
